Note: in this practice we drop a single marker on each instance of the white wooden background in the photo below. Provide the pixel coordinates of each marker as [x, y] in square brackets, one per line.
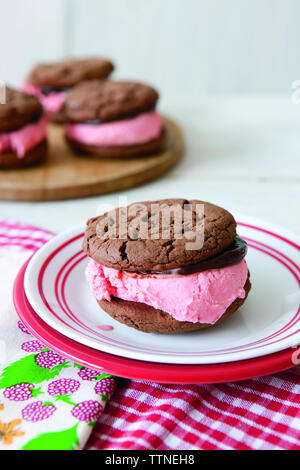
[187, 48]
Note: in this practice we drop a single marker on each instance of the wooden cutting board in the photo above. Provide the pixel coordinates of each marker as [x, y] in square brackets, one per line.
[66, 175]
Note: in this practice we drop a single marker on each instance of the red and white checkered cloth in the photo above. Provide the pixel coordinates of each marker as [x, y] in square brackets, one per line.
[255, 414]
[258, 414]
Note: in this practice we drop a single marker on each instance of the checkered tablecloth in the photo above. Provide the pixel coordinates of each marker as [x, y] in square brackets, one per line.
[262, 413]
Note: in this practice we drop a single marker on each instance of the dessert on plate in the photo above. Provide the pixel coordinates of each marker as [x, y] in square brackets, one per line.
[113, 119]
[167, 266]
[23, 130]
[50, 82]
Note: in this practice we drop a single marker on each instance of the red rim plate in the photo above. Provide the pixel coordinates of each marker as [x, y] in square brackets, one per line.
[142, 370]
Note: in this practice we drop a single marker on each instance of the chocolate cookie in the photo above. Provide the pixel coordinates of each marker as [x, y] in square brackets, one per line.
[103, 101]
[131, 253]
[145, 318]
[67, 73]
[32, 157]
[23, 129]
[58, 117]
[20, 109]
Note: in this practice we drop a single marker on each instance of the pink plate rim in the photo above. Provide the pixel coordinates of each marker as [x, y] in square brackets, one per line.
[143, 370]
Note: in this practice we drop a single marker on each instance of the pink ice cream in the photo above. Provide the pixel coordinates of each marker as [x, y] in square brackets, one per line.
[202, 297]
[24, 139]
[51, 103]
[143, 128]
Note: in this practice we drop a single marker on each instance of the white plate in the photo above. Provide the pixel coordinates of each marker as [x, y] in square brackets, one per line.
[56, 288]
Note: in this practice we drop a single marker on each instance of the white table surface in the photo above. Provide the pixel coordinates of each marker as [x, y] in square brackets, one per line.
[242, 153]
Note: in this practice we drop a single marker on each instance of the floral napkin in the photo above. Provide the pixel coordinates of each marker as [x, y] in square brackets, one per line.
[46, 401]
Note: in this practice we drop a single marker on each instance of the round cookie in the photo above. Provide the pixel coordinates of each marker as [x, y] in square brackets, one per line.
[58, 117]
[145, 318]
[106, 101]
[68, 73]
[20, 109]
[129, 252]
[50, 83]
